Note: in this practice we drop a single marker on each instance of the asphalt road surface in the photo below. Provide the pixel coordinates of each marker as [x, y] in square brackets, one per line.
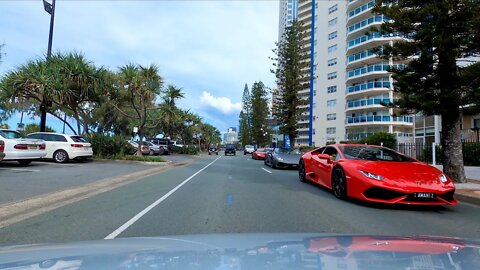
[234, 194]
[19, 182]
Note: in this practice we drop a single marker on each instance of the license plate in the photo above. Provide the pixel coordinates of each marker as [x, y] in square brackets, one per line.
[31, 147]
[85, 148]
[423, 195]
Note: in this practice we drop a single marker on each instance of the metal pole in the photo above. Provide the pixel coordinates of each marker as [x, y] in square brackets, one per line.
[43, 106]
[64, 121]
[434, 154]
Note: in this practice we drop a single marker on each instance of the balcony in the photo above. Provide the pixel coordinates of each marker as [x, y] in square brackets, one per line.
[371, 70]
[378, 119]
[365, 103]
[366, 24]
[363, 57]
[366, 88]
[376, 38]
[361, 12]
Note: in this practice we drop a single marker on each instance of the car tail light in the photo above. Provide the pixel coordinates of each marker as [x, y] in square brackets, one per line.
[21, 146]
[76, 145]
[2, 146]
[42, 147]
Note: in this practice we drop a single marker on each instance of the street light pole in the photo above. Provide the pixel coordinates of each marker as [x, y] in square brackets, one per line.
[50, 9]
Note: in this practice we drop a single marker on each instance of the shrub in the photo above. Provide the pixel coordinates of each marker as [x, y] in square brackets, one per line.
[186, 150]
[109, 146]
[388, 139]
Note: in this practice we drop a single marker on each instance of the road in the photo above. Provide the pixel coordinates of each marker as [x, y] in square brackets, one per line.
[234, 194]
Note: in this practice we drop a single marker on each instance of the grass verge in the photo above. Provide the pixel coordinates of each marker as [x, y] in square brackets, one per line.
[134, 158]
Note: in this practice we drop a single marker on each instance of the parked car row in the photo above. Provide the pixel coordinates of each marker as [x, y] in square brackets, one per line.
[43, 145]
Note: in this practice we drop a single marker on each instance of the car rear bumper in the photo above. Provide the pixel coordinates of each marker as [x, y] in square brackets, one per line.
[285, 165]
[80, 153]
[24, 155]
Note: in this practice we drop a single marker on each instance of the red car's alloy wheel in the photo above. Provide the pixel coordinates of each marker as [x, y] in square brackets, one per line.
[339, 183]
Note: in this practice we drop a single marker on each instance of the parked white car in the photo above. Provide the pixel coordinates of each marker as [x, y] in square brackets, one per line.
[22, 150]
[63, 147]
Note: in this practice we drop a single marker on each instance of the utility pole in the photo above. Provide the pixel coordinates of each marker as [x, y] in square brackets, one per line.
[50, 9]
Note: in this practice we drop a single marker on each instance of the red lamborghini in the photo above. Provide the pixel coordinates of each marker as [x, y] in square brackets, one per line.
[376, 174]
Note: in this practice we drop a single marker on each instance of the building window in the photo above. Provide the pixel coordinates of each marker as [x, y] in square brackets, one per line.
[332, 62]
[313, 131]
[314, 105]
[332, 9]
[332, 35]
[331, 116]
[314, 92]
[331, 103]
[332, 48]
[332, 89]
[332, 75]
[333, 21]
[331, 130]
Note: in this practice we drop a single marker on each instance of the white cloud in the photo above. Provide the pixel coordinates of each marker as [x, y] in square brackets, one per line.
[223, 104]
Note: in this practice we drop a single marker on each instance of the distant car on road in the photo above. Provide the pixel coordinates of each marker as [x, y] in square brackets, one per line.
[230, 149]
[376, 174]
[213, 149]
[22, 150]
[260, 153]
[248, 149]
[62, 147]
[282, 158]
[2, 150]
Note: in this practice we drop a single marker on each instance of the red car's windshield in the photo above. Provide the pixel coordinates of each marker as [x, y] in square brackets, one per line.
[373, 154]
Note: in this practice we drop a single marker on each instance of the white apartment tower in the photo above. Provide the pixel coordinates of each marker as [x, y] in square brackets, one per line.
[349, 82]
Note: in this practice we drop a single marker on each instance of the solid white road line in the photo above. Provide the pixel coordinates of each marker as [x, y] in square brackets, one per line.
[151, 206]
[266, 170]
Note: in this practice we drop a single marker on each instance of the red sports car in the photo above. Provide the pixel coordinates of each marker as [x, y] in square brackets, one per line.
[260, 153]
[376, 174]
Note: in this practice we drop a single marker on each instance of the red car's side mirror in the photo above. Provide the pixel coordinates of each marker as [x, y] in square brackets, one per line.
[325, 156]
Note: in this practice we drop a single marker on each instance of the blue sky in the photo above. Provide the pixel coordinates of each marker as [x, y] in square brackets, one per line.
[210, 48]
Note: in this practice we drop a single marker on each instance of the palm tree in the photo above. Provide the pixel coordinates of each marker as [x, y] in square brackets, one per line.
[172, 93]
[140, 87]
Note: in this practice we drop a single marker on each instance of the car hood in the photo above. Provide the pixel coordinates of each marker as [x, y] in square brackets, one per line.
[248, 251]
[403, 172]
[288, 158]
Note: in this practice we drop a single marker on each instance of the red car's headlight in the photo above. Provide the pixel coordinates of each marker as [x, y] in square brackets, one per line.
[372, 175]
[443, 178]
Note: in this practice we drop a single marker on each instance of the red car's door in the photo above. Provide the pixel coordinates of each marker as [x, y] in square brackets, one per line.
[325, 166]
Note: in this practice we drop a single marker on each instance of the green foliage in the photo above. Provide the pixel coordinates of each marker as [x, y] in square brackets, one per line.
[388, 139]
[245, 128]
[290, 62]
[186, 150]
[244, 132]
[260, 111]
[108, 146]
[437, 35]
[33, 127]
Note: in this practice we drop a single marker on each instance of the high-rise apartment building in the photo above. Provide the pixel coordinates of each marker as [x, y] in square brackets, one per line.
[288, 12]
[349, 83]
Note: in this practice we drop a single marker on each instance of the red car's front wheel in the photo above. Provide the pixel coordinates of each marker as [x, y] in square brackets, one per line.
[339, 183]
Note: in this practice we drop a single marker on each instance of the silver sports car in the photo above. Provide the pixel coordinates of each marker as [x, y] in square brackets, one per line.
[283, 158]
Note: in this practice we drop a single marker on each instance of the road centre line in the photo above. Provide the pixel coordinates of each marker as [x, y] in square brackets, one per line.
[266, 170]
[157, 202]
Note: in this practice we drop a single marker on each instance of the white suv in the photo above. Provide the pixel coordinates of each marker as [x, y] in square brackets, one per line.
[62, 147]
[248, 149]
